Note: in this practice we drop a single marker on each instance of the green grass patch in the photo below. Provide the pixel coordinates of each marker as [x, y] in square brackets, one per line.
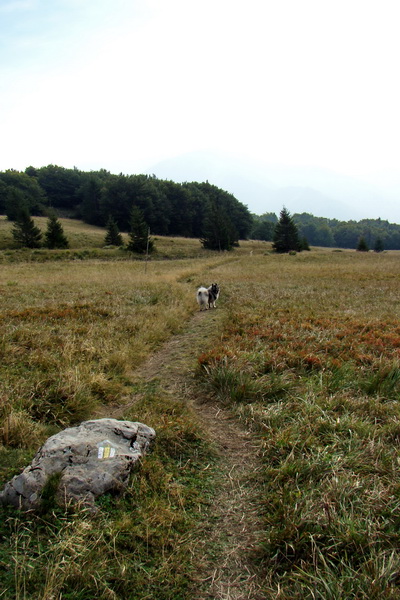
[313, 370]
[308, 356]
[138, 545]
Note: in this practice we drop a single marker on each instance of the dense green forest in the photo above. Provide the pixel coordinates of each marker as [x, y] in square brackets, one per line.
[169, 208]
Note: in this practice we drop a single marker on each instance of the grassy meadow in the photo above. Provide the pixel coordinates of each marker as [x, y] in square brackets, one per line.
[306, 354]
[87, 241]
[310, 359]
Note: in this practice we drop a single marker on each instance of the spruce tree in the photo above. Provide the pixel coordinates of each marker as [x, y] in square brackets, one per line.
[54, 236]
[379, 247]
[113, 236]
[362, 245]
[286, 236]
[139, 240]
[25, 232]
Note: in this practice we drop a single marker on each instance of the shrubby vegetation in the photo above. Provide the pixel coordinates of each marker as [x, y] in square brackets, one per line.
[188, 209]
[263, 227]
[330, 233]
[333, 233]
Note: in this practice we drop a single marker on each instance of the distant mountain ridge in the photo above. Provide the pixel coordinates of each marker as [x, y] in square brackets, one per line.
[267, 188]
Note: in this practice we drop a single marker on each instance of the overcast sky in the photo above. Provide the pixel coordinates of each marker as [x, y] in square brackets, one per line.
[124, 84]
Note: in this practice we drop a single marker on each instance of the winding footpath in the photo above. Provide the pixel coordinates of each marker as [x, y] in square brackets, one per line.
[227, 572]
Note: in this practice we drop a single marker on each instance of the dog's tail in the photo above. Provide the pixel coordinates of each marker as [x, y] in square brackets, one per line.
[202, 296]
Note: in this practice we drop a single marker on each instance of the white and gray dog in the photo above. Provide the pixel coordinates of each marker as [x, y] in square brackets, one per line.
[207, 297]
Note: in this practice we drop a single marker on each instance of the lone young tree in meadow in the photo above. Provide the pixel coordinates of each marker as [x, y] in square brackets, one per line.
[139, 237]
[286, 235]
[25, 232]
[362, 245]
[54, 236]
[379, 247]
[113, 236]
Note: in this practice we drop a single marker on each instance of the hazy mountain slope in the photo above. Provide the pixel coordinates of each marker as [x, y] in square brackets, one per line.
[266, 187]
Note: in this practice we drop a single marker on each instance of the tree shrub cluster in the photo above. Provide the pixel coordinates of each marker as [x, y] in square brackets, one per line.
[168, 208]
[263, 227]
[378, 234]
[199, 210]
[28, 235]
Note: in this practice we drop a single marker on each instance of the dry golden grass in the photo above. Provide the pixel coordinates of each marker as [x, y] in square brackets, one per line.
[308, 356]
[72, 332]
[88, 238]
[79, 234]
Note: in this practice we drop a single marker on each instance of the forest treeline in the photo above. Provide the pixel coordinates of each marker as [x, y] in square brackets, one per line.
[170, 208]
[332, 233]
[342, 234]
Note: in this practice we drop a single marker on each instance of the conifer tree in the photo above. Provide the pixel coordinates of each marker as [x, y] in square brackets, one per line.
[113, 236]
[286, 236]
[25, 232]
[54, 236]
[379, 247]
[139, 239]
[362, 245]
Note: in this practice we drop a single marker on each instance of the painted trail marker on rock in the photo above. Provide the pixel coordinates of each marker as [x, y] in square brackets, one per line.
[92, 459]
[106, 450]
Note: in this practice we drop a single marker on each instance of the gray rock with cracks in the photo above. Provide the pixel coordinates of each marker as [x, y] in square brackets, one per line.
[90, 460]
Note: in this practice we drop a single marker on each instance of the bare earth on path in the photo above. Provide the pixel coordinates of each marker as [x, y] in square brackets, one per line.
[224, 549]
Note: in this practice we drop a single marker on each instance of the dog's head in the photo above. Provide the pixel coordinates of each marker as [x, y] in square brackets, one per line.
[214, 288]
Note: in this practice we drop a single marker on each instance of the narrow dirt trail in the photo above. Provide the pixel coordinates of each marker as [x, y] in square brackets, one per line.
[224, 552]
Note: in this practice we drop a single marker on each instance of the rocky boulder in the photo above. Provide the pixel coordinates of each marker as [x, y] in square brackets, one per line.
[86, 461]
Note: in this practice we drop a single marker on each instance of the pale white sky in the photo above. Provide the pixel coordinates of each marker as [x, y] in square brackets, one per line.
[123, 84]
